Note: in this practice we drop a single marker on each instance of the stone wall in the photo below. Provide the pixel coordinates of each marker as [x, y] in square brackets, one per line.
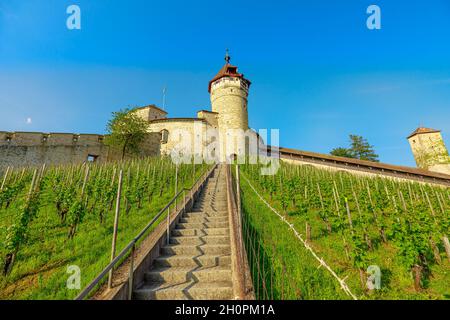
[150, 113]
[180, 130]
[361, 171]
[430, 152]
[210, 117]
[20, 149]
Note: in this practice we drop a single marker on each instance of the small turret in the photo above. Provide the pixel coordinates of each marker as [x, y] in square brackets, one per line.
[429, 150]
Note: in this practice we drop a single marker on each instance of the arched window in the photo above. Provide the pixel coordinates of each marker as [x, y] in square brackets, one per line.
[164, 136]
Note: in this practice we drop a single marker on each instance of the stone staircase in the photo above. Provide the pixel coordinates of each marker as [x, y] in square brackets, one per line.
[196, 264]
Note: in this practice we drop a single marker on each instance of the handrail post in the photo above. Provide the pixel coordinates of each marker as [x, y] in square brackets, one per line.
[238, 193]
[176, 186]
[116, 225]
[168, 224]
[131, 274]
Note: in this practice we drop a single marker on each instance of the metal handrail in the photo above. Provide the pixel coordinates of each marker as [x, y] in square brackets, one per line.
[132, 243]
[240, 264]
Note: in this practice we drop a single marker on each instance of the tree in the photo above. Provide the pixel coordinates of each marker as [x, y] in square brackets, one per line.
[126, 130]
[341, 152]
[359, 149]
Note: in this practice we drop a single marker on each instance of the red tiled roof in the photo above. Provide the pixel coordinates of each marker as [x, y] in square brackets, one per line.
[227, 70]
[423, 130]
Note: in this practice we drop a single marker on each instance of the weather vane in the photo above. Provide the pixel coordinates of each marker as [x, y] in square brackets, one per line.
[227, 56]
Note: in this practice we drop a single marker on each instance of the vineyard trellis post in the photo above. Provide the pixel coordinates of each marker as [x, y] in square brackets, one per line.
[176, 185]
[4, 178]
[116, 224]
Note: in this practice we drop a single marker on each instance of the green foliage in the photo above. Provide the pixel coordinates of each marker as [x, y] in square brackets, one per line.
[60, 226]
[126, 130]
[342, 152]
[359, 149]
[392, 224]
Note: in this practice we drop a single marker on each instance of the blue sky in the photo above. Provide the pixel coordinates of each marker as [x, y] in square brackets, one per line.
[318, 74]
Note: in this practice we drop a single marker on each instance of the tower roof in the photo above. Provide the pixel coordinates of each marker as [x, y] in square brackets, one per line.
[227, 70]
[421, 130]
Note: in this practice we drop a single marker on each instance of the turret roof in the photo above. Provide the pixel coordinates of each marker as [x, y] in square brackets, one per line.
[227, 70]
[421, 130]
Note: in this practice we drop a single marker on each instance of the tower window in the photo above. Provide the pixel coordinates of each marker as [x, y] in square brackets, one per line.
[92, 158]
[164, 136]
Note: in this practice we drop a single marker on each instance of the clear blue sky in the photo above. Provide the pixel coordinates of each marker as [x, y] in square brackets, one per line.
[318, 74]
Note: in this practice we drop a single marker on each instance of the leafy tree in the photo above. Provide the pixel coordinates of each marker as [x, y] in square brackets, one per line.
[126, 130]
[342, 152]
[359, 149]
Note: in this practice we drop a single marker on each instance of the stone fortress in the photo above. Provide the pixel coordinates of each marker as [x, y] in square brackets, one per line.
[225, 127]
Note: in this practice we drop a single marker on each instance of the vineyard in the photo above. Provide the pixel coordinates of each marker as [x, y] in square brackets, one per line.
[354, 224]
[52, 218]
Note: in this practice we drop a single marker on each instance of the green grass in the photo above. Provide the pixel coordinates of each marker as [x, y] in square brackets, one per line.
[40, 268]
[301, 275]
[290, 271]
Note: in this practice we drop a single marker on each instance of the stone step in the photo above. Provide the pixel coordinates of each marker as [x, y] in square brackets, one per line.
[177, 260]
[185, 291]
[200, 232]
[205, 214]
[198, 240]
[198, 225]
[182, 274]
[203, 219]
[196, 264]
[208, 249]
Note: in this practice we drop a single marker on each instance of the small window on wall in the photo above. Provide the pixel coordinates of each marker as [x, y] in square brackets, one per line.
[92, 158]
[164, 136]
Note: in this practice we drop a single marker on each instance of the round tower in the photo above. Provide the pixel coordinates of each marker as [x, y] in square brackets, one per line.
[228, 92]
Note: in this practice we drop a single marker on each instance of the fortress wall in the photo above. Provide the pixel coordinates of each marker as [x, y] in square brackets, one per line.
[441, 168]
[18, 149]
[187, 126]
[363, 172]
[210, 117]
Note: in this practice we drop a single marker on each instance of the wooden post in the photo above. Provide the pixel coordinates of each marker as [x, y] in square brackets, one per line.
[193, 179]
[176, 186]
[446, 246]
[349, 214]
[168, 225]
[131, 275]
[238, 189]
[33, 182]
[116, 225]
[86, 177]
[4, 178]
